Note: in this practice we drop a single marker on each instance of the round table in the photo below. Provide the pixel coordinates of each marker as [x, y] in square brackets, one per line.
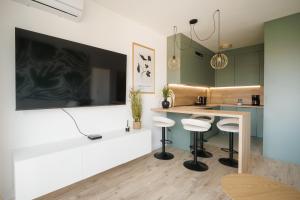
[249, 187]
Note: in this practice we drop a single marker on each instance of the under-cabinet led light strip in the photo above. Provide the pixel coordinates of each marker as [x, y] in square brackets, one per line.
[236, 87]
[187, 86]
[214, 88]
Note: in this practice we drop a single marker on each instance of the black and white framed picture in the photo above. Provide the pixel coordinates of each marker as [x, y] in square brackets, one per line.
[143, 68]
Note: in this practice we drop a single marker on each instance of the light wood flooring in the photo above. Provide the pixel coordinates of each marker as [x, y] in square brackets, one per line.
[150, 179]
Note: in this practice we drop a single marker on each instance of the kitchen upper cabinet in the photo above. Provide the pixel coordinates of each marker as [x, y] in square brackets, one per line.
[194, 62]
[261, 67]
[225, 77]
[245, 67]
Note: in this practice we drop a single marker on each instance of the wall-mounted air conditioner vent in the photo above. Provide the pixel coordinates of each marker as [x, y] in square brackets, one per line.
[71, 9]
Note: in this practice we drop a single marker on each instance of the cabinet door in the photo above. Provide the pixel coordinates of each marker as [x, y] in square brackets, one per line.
[194, 65]
[260, 122]
[225, 77]
[253, 119]
[247, 69]
[261, 67]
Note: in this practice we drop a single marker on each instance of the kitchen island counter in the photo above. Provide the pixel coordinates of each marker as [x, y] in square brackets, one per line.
[244, 127]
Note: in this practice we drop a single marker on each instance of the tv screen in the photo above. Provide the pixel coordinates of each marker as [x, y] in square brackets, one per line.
[57, 73]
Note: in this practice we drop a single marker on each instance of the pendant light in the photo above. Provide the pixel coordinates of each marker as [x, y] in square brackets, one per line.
[174, 62]
[219, 60]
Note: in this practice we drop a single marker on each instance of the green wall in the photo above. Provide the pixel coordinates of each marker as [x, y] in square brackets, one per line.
[282, 89]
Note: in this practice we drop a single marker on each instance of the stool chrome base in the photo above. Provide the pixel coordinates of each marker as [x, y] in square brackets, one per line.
[229, 162]
[195, 166]
[164, 156]
[203, 154]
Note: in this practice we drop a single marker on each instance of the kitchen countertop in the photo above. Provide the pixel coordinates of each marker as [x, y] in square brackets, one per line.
[228, 105]
[199, 110]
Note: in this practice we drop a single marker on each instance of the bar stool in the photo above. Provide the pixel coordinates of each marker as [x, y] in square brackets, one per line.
[164, 123]
[230, 125]
[194, 126]
[201, 152]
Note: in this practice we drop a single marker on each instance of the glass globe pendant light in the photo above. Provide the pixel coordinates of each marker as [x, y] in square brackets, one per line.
[174, 62]
[219, 60]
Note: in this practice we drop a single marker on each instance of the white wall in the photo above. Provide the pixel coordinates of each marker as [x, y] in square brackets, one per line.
[101, 28]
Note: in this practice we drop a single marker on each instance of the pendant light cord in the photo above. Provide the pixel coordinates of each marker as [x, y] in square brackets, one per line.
[174, 45]
[193, 31]
[219, 30]
[214, 27]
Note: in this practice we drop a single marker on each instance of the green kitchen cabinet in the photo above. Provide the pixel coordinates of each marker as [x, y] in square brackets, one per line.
[194, 62]
[260, 123]
[256, 118]
[245, 67]
[253, 119]
[261, 67]
[180, 137]
[226, 76]
[230, 108]
[247, 70]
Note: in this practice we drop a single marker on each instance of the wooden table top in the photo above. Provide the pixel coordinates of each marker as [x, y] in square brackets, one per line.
[249, 187]
[196, 110]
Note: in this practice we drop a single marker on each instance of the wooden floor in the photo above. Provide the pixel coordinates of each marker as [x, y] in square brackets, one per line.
[150, 179]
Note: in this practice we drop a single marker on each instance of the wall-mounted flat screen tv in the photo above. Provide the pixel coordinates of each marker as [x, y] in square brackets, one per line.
[57, 73]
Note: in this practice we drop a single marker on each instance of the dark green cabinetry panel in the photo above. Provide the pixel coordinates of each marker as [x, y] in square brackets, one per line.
[225, 77]
[260, 122]
[253, 119]
[256, 118]
[247, 69]
[231, 108]
[179, 136]
[261, 67]
[194, 63]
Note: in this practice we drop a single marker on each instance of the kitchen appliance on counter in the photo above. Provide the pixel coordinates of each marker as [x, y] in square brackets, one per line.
[255, 100]
[201, 100]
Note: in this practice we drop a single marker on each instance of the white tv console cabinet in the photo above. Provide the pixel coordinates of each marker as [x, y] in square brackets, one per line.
[45, 168]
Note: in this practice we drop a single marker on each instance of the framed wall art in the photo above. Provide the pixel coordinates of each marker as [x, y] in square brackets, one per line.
[143, 68]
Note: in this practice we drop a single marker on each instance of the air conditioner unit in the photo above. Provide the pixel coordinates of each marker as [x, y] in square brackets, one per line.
[71, 9]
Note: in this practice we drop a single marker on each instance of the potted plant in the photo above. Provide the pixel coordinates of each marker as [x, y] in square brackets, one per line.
[166, 92]
[136, 107]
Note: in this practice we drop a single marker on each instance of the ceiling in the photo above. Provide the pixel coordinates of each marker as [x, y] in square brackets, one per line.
[241, 20]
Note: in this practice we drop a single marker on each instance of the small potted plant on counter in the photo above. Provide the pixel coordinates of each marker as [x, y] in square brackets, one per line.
[166, 92]
[136, 107]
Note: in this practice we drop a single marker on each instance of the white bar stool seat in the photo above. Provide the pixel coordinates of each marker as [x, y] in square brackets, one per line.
[194, 126]
[230, 125]
[201, 152]
[206, 118]
[164, 123]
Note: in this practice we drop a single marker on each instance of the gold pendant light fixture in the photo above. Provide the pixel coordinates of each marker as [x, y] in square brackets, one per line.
[218, 61]
[174, 62]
